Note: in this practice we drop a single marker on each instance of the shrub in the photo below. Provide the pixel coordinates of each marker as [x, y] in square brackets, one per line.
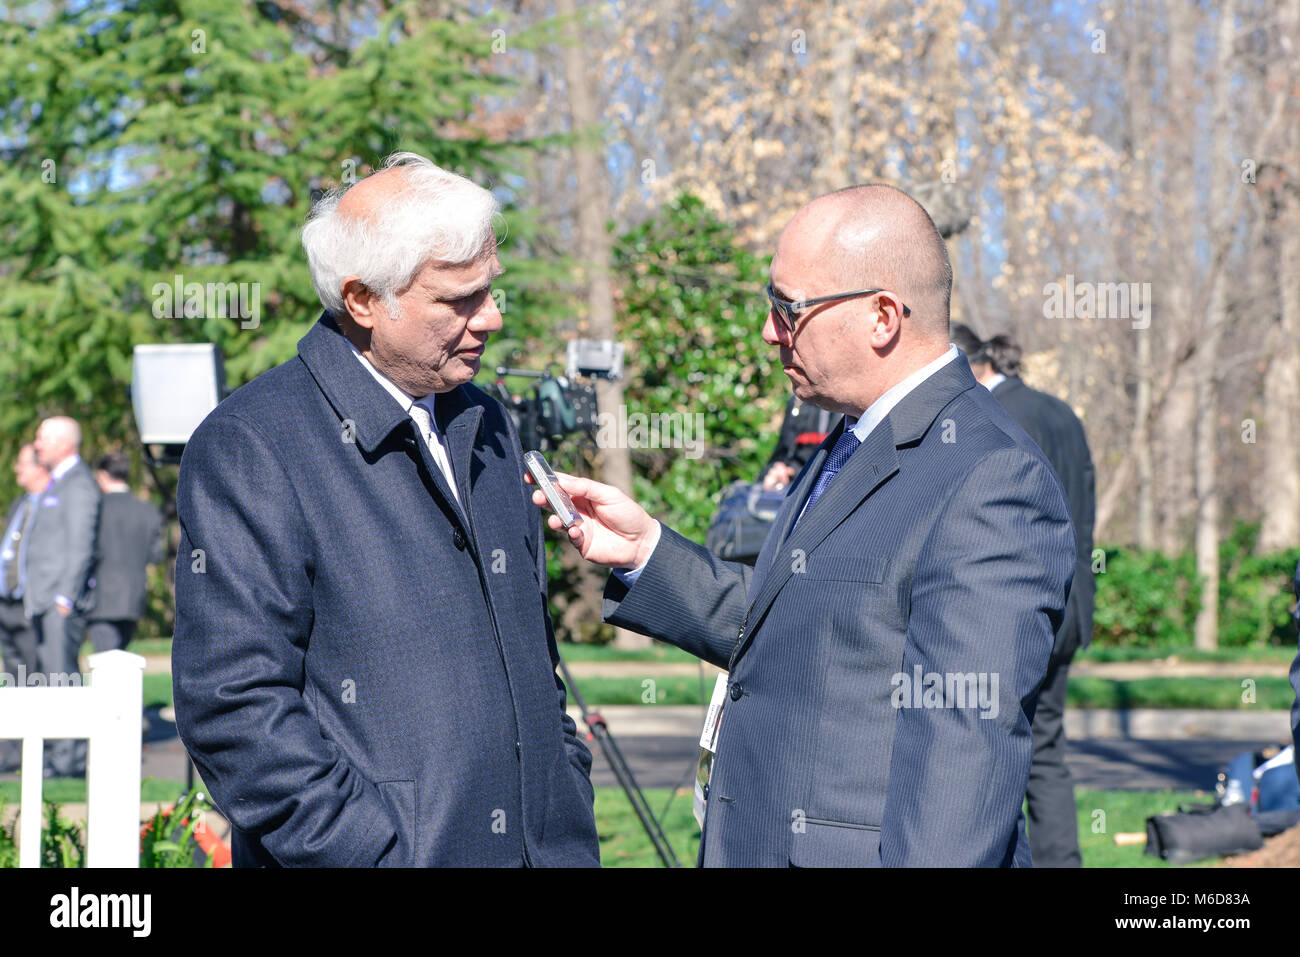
[1145, 598]
[62, 844]
[1148, 598]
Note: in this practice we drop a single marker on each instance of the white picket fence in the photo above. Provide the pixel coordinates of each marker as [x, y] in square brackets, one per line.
[107, 712]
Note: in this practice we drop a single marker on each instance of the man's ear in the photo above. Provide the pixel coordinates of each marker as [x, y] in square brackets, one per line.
[360, 302]
[886, 318]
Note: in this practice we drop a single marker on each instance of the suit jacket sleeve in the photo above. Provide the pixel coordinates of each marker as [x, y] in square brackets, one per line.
[987, 596]
[707, 597]
[243, 619]
[82, 498]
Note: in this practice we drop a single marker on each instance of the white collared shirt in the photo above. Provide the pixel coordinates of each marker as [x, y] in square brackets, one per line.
[994, 381]
[432, 436]
[62, 468]
[877, 411]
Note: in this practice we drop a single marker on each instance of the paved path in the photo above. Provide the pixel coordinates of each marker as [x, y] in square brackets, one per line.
[1104, 764]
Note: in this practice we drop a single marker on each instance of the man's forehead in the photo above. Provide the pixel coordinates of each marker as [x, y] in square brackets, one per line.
[798, 265]
[437, 275]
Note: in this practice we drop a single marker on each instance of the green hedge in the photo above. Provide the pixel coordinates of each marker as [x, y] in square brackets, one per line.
[1148, 598]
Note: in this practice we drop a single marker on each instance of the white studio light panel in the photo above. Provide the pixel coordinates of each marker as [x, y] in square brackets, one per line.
[173, 388]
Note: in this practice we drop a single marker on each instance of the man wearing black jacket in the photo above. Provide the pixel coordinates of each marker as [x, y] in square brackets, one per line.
[1053, 818]
[130, 538]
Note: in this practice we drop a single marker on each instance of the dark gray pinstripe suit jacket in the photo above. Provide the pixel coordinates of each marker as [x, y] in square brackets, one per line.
[944, 545]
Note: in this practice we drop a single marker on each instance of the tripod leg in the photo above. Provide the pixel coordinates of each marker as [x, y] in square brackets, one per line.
[622, 773]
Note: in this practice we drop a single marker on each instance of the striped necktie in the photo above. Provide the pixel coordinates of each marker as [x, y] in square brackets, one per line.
[848, 444]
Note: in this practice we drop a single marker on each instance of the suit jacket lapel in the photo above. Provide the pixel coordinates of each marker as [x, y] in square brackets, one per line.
[790, 509]
[866, 470]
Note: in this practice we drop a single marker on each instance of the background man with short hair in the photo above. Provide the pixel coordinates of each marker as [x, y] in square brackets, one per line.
[927, 539]
[364, 666]
[60, 553]
[1053, 815]
[130, 538]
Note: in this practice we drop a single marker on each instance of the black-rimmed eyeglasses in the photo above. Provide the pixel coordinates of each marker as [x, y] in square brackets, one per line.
[788, 311]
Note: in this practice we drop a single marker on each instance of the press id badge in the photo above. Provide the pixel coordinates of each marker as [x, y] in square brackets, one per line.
[709, 747]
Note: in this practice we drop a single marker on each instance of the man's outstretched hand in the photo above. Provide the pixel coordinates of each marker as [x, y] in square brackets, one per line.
[615, 531]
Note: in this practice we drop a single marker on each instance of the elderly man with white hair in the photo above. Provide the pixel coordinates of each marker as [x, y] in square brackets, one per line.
[364, 666]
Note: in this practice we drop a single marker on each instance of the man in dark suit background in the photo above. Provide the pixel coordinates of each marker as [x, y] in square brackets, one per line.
[130, 538]
[60, 552]
[1053, 816]
[886, 650]
[364, 667]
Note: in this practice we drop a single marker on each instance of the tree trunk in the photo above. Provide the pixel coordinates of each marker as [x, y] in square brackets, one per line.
[1139, 206]
[1277, 433]
[591, 197]
[1207, 381]
[1177, 310]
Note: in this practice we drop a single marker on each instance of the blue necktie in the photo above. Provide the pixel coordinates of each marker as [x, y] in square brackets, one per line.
[848, 444]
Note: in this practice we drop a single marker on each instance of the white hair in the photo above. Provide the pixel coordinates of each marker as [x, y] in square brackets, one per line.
[437, 215]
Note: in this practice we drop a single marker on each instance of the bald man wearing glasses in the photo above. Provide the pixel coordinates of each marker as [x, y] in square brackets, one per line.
[884, 654]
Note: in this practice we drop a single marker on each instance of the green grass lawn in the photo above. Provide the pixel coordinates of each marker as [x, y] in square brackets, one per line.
[157, 691]
[658, 652]
[648, 691]
[623, 842]
[1217, 693]
[73, 790]
[1103, 814]
[1099, 653]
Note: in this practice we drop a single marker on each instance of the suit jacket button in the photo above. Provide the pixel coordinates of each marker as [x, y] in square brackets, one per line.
[736, 692]
[458, 540]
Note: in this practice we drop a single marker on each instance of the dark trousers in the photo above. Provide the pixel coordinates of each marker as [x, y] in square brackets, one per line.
[20, 661]
[17, 641]
[59, 640]
[110, 635]
[1053, 817]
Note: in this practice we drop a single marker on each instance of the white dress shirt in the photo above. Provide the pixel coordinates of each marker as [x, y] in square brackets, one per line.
[994, 381]
[62, 468]
[422, 416]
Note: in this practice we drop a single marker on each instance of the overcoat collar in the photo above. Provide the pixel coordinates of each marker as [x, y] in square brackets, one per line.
[373, 414]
